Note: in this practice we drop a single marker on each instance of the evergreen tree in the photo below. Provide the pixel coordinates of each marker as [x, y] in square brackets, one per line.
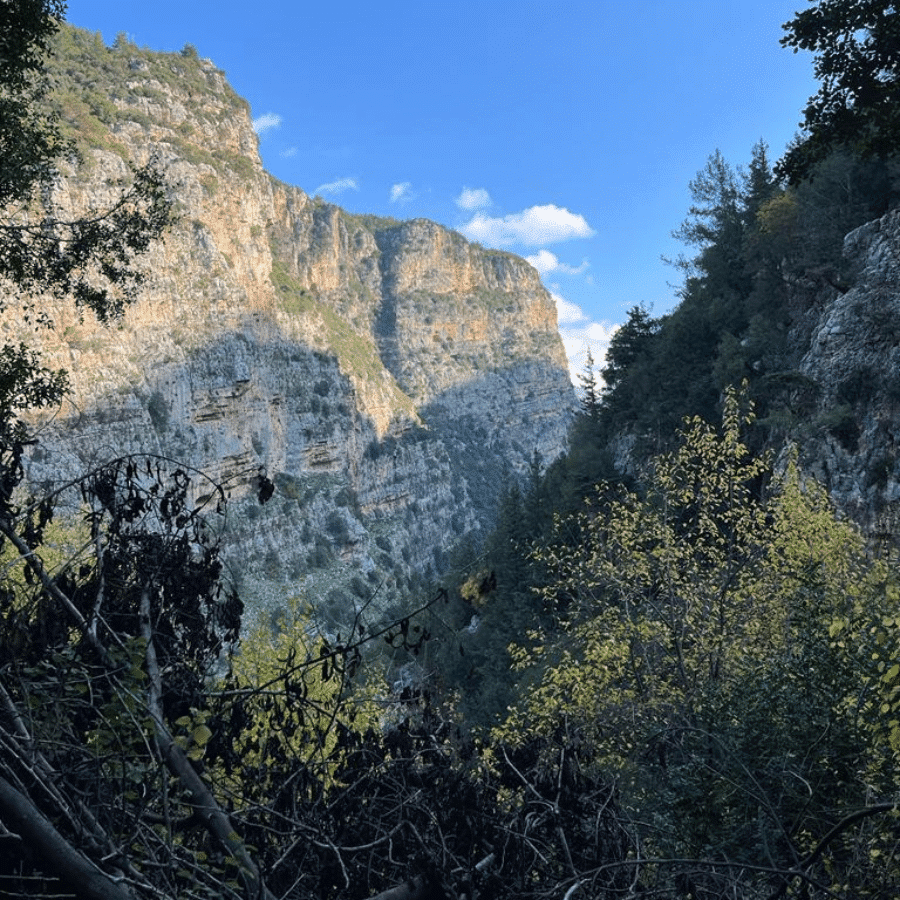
[590, 390]
[629, 344]
[761, 185]
[626, 368]
[857, 107]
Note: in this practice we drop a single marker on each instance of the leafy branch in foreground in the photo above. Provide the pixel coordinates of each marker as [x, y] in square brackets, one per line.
[857, 106]
[91, 258]
[702, 656]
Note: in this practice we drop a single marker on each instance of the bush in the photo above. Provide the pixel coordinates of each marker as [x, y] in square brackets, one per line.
[336, 526]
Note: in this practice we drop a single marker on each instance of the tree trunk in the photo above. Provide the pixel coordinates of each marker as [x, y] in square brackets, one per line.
[58, 856]
[417, 888]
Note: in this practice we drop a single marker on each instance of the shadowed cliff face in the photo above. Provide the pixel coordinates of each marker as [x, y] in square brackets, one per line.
[388, 375]
[854, 359]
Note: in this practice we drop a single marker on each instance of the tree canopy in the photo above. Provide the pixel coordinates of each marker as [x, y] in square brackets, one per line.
[28, 142]
[695, 655]
[856, 45]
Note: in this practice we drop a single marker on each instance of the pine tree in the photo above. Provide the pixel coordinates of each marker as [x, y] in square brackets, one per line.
[590, 390]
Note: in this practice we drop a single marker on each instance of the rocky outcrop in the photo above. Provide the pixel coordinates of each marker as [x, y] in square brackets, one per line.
[854, 359]
[387, 375]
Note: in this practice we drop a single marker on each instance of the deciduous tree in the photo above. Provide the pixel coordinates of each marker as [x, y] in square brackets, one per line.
[696, 660]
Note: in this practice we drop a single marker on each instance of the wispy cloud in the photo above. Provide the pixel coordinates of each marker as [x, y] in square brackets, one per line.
[338, 186]
[579, 334]
[287, 154]
[546, 263]
[266, 122]
[473, 198]
[401, 191]
[532, 227]
[568, 313]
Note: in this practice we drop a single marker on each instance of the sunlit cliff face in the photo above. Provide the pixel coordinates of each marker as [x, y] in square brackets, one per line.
[389, 376]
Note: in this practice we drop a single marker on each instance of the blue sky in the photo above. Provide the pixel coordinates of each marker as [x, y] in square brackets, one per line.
[567, 133]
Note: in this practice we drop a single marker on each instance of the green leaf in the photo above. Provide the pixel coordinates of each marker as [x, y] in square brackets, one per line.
[201, 735]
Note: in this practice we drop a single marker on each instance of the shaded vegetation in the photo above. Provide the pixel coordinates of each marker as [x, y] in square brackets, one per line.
[679, 681]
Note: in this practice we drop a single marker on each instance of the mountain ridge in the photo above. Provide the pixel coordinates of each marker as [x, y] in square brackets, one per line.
[388, 376]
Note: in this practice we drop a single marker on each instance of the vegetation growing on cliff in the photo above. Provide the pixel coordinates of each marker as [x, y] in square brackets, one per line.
[762, 253]
[766, 244]
[95, 87]
[356, 353]
[705, 697]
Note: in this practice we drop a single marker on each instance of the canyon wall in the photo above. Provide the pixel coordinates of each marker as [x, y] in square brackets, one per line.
[388, 376]
[854, 362]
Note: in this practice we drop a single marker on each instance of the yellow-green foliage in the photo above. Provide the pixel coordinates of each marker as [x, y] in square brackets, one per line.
[356, 353]
[664, 587]
[869, 634]
[728, 651]
[298, 697]
[66, 542]
[777, 218]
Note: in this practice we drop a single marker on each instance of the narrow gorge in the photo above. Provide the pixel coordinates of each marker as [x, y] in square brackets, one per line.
[389, 377]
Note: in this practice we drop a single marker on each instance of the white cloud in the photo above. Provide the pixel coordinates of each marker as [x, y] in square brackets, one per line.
[338, 186]
[581, 335]
[533, 226]
[402, 191]
[287, 154]
[473, 198]
[266, 122]
[568, 313]
[546, 262]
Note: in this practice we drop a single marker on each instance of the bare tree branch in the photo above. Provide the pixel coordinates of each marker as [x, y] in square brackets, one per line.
[208, 810]
[57, 854]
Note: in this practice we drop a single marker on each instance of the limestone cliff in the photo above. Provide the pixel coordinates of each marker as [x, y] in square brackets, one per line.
[854, 361]
[388, 375]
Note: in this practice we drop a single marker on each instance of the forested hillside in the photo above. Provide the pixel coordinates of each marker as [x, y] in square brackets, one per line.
[673, 670]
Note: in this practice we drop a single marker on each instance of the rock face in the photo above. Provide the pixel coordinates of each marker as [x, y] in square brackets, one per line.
[387, 375]
[854, 359]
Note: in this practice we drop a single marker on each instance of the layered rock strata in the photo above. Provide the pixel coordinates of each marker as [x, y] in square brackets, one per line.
[388, 376]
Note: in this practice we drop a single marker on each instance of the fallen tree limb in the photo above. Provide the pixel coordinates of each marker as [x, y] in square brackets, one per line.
[202, 800]
[57, 855]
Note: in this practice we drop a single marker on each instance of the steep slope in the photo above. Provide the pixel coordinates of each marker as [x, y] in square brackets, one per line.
[386, 375]
[854, 359]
